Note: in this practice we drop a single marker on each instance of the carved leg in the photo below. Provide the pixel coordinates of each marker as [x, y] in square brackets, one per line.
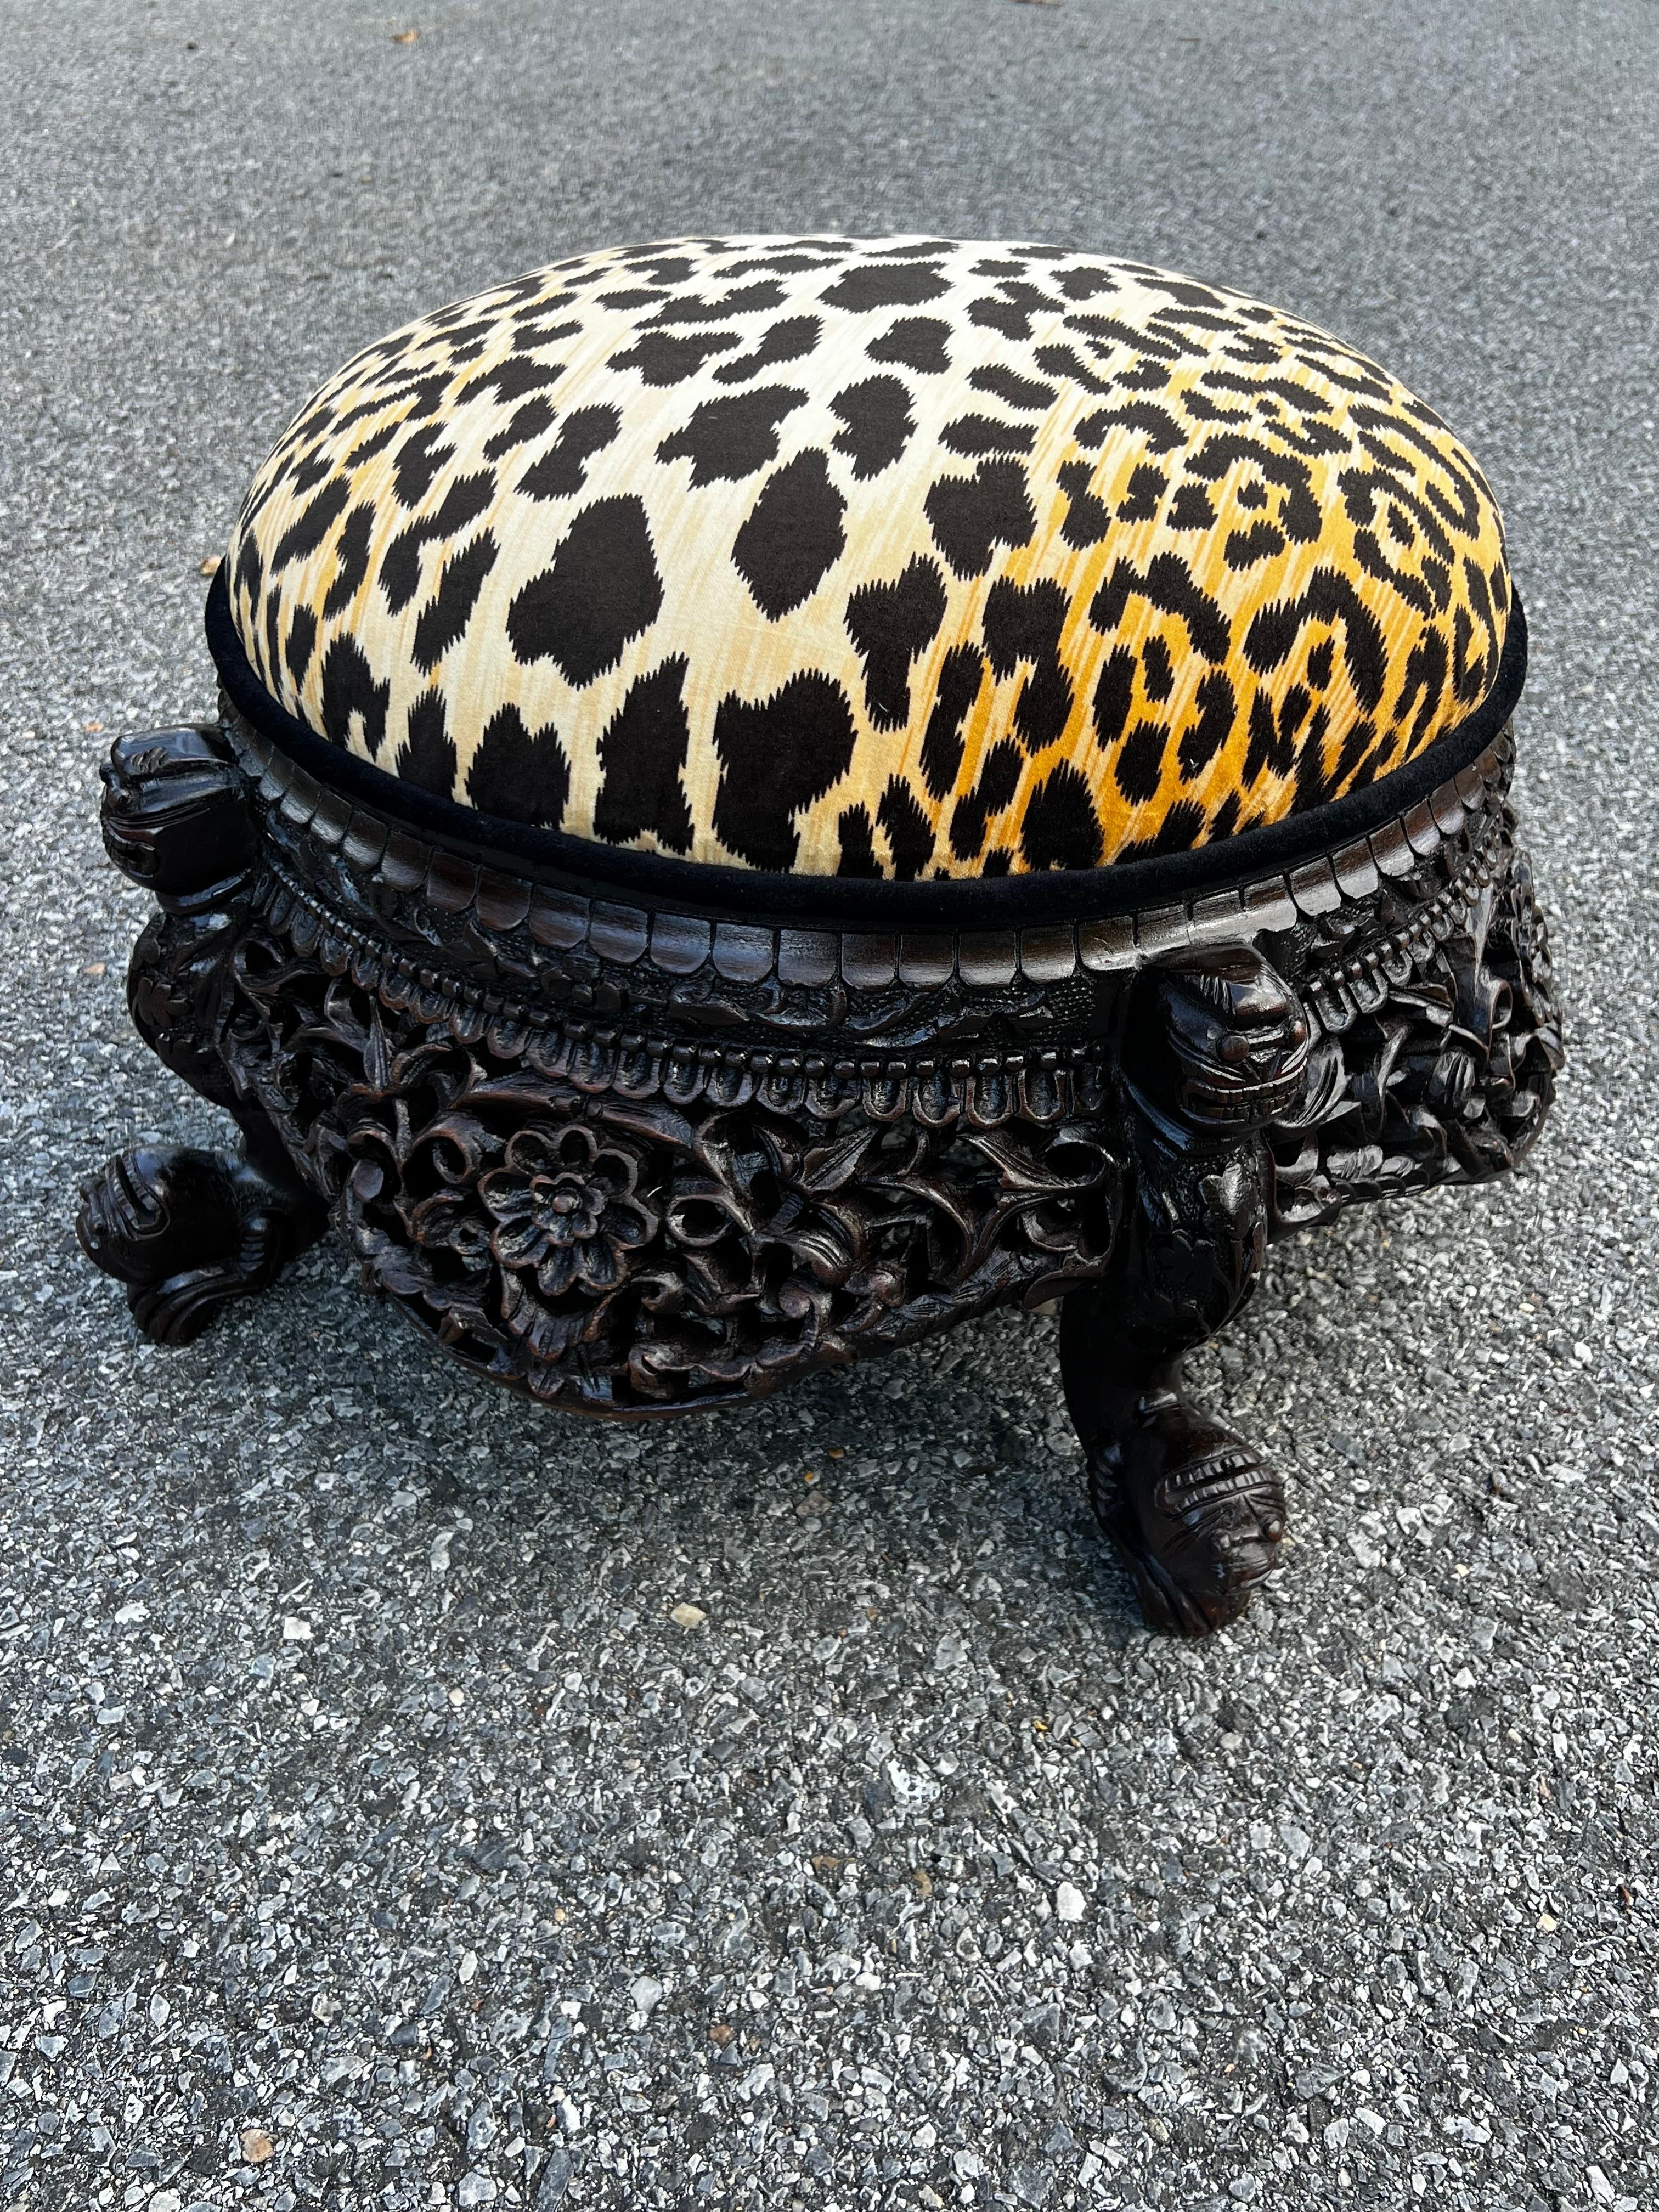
[1212, 1045]
[188, 1229]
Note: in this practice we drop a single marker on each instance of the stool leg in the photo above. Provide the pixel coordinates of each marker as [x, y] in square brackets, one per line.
[187, 1230]
[1195, 1513]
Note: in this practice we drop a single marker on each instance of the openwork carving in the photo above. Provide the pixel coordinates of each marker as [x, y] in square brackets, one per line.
[637, 1164]
[627, 1256]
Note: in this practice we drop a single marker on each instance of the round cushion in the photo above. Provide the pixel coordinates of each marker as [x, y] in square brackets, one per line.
[895, 558]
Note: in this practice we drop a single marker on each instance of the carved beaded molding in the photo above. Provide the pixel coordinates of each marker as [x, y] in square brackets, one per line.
[450, 938]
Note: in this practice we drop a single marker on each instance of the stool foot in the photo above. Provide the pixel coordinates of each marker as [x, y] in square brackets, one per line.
[186, 1230]
[1195, 1515]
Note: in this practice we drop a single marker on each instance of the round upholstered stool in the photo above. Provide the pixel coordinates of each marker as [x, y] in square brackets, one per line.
[770, 795]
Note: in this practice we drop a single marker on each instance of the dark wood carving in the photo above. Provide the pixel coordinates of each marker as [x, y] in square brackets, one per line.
[637, 1162]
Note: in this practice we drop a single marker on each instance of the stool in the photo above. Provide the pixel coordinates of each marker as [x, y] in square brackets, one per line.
[770, 795]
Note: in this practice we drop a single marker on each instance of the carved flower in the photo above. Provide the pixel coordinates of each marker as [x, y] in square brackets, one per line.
[565, 1207]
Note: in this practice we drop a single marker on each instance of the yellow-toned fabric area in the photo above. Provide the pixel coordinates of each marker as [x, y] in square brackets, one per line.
[895, 558]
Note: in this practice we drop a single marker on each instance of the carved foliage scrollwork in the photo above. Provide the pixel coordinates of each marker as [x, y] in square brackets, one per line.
[626, 1255]
[1444, 1072]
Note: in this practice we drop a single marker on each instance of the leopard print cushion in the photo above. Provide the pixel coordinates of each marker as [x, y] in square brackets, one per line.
[898, 558]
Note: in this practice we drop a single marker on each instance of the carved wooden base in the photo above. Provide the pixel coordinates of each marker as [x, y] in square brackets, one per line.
[639, 1163]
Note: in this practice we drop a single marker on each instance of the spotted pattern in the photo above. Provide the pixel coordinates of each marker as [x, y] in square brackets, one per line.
[900, 558]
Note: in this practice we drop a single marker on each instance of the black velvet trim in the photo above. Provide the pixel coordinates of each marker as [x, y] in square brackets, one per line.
[986, 903]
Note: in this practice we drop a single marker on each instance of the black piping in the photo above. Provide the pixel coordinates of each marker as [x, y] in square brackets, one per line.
[1058, 894]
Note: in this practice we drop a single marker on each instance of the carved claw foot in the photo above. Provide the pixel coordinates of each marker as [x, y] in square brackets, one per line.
[1195, 1515]
[187, 1230]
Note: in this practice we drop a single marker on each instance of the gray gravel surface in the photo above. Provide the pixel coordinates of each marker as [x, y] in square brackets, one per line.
[370, 1833]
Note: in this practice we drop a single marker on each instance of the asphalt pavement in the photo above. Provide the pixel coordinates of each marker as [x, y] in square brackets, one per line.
[372, 1832]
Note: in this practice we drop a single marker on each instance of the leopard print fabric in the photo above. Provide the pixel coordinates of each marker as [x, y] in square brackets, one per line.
[900, 558]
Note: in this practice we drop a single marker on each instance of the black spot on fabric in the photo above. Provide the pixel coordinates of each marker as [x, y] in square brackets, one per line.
[1161, 432]
[984, 434]
[535, 334]
[662, 269]
[376, 442]
[419, 459]
[915, 249]
[959, 681]
[1329, 597]
[787, 341]
[428, 759]
[511, 379]
[1265, 749]
[856, 838]
[1226, 819]
[878, 423]
[645, 296]
[1312, 786]
[317, 465]
[1139, 767]
[1143, 496]
[969, 515]
[1299, 512]
[891, 285]
[445, 615]
[1167, 585]
[726, 439]
[1022, 624]
[400, 565]
[1192, 508]
[1007, 316]
[777, 756]
[351, 559]
[890, 624]
[562, 469]
[519, 774]
[1156, 669]
[1114, 696]
[999, 775]
[351, 697]
[1061, 829]
[998, 268]
[602, 589]
[909, 833]
[1182, 827]
[968, 826]
[1360, 742]
[1217, 710]
[919, 342]
[753, 300]
[1087, 518]
[1064, 360]
[301, 643]
[250, 570]
[1084, 283]
[662, 359]
[1423, 685]
[309, 528]
[1251, 495]
[1021, 391]
[528, 422]
[1261, 542]
[1401, 528]
[1319, 662]
[272, 639]
[793, 536]
[998, 780]
[642, 753]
